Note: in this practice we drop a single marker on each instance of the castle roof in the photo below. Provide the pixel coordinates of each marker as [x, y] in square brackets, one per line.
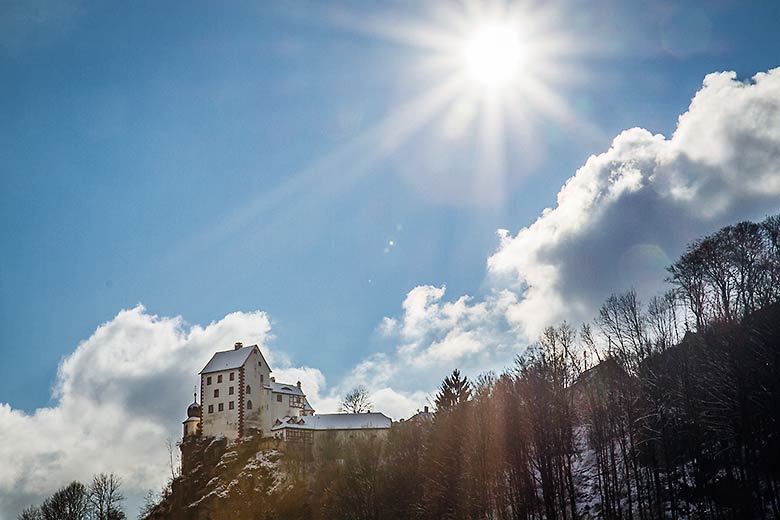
[193, 410]
[335, 421]
[230, 359]
[283, 388]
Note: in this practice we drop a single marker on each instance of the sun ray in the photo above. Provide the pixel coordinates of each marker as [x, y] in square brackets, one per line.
[523, 53]
[505, 65]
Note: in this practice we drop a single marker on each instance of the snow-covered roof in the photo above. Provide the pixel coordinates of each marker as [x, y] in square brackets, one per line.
[230, 359]
[335, 421]
[284, 388]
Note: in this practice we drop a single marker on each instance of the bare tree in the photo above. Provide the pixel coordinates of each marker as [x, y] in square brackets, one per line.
[688, 275]
[174, 459]
[105, 498]
[662, 320]
[356, 401]
[151, 501]
[69, 503]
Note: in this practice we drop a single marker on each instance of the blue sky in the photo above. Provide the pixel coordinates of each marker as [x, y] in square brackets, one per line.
[330, 179]
[135, 136]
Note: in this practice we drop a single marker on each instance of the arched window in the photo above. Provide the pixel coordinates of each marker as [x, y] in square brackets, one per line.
[248, 389]
[249, 405]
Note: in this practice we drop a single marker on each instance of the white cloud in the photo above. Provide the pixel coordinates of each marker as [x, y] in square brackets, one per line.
[397, 404]
[432, 337]
[120, 395]
[630, 209]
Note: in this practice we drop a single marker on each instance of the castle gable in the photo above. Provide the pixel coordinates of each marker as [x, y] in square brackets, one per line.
[282, 388]
[231, 359]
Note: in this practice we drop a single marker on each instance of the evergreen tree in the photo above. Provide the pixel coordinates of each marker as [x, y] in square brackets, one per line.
[455, 389]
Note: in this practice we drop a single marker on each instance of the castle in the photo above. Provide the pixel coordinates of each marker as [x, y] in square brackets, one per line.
[239, 397]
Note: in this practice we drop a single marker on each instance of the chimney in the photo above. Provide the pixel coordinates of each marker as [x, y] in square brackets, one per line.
[238, 345]
[426, 409]
[299, 385]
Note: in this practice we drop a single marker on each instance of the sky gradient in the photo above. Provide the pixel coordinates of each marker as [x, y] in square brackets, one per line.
[269, 159]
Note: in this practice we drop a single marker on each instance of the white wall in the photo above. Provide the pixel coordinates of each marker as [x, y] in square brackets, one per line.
[226, 422]
[216, 422]
[277, 410]
[256, 374]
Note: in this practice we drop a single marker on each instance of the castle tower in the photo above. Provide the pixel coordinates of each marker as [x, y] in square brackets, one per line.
[192, 424]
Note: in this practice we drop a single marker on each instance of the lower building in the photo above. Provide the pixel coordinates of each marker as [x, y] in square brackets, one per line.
[338, 427]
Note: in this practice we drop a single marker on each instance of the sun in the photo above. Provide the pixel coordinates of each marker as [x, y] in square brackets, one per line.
[492, 55]
[485, 84]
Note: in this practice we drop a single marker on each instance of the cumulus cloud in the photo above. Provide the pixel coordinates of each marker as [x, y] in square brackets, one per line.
[629, 210]
[619, 221]
[119, 397]
[432, 337]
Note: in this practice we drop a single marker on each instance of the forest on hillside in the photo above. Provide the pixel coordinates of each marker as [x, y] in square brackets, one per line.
[668, 408]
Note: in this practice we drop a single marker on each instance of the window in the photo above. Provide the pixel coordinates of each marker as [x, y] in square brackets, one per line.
[296, 401]
[232, 376]
[261, 378]
[259, 363]
[231, 405]
[230, 390]
[249, 405]
[298, 435]
[211, 408]
[208, 380]
[216, 392]
[219, 378]
[248, 389]
[278, 398]
[221, 407]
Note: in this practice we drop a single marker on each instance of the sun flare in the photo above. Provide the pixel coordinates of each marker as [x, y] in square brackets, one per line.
[486, 78]
[493, 55]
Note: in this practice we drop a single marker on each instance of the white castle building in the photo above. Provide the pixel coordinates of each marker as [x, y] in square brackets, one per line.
[239, 396]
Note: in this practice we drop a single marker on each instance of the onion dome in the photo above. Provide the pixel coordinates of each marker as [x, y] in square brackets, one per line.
[193, 410]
